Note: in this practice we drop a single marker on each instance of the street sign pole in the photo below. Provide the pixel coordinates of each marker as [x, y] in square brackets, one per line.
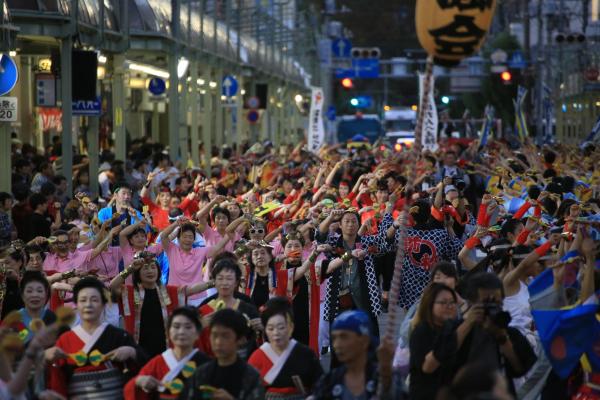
[194, 110]
[93, 148]
[239, 101]
[219, 112]
[207, 122]
[67, 111]
[5, 157]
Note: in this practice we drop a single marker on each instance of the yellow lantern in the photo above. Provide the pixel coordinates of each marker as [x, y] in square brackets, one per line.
[450, 30]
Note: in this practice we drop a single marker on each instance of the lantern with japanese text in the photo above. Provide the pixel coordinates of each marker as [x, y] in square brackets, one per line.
[450, 30]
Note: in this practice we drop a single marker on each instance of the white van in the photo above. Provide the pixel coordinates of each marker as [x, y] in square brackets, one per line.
[399, 125]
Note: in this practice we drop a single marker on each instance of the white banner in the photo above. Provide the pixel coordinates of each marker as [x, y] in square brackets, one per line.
[430, 122]
[316, 129]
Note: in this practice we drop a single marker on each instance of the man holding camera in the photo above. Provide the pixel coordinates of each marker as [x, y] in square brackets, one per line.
[492, 341]
[451, 169]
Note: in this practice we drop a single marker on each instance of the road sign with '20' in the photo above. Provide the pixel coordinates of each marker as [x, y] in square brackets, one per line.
[8, 109]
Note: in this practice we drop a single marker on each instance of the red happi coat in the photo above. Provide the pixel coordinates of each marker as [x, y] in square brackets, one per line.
[74, 342]
[287, 288]
[159, 367]
[170, 298]
[203, 342]
[207, 309]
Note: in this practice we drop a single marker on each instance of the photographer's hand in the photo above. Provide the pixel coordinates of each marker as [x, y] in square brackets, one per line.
[508, 351]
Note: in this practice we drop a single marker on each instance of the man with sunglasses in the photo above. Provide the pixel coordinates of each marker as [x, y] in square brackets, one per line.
[61, 259]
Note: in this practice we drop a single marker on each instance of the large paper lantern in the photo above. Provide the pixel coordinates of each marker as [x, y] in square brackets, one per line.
[451, 30]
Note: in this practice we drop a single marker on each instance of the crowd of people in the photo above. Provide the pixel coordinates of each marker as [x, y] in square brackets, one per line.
[268, 275]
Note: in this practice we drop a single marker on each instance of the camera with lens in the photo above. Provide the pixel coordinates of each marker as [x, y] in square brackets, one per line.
[140, 255]
[494, 311]
[491, 308]
[459, 183]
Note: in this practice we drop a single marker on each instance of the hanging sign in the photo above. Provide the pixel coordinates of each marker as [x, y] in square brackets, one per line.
[316, 129]
[450, 30]
[430, 122]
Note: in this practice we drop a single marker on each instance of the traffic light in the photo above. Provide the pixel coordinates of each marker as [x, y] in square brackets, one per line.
[445, 99]
[506, 77]
[363, 101]
[347, 83]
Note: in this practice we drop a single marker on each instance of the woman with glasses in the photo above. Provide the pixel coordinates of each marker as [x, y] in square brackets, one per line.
[146, 304]
[436, 337]
[288, 368]
[226, 275]
[257, 231]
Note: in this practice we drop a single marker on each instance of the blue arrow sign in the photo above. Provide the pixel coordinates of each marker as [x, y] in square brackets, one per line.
[340, 48]
[517, 60]
[157, 86]
[229, 86]
[361, 68]
[8, 74]
[366, 67]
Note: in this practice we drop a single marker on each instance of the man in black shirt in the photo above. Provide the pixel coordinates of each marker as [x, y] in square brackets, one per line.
[38, 223]
[492, 342]
[227, 377]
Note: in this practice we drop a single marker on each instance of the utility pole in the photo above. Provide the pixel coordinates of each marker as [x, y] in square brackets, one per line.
[539, 67]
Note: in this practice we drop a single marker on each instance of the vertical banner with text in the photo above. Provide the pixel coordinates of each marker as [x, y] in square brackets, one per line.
[430, 123]
[316, 129]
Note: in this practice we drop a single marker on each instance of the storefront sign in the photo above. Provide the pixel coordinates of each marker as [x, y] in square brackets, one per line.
[50, 119]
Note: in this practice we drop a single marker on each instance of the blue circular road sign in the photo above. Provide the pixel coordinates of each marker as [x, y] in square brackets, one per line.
[252, 116]
[157, 86]
[8, 74]
[229, 86]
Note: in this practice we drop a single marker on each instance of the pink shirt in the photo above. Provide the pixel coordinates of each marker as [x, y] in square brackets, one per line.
[212, 237]
[277, 248]
[185, 268]
[77, 259]
[127, 252]
[107, 263]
